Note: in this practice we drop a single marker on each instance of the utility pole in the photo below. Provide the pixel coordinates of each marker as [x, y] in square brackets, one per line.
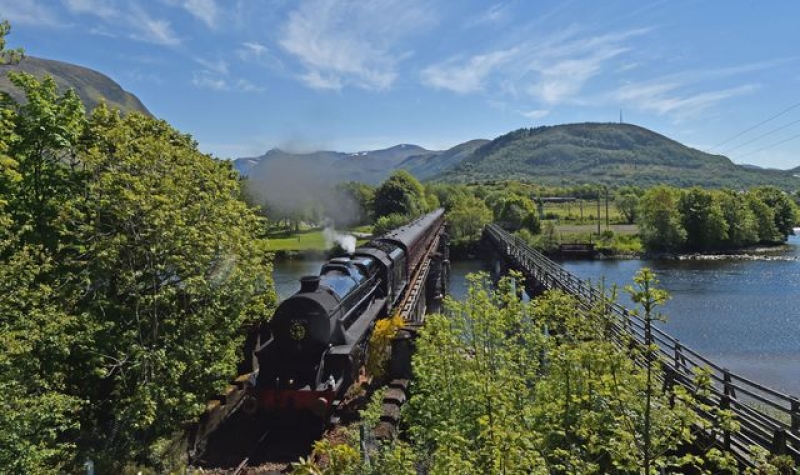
[606, 206]
[599, 194]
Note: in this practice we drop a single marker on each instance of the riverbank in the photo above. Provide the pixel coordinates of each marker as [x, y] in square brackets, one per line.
[476, 251]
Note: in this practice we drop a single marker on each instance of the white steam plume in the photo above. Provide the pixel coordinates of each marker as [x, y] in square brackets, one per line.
[345, 241]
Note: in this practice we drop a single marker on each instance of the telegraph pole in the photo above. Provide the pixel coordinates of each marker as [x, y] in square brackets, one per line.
[599, 194]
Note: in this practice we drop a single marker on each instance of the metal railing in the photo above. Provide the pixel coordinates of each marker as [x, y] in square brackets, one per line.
[767, 418]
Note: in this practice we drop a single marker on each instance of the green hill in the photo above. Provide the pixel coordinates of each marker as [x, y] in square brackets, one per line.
[91, 86]
[430, 164]
[327, 166]
[619, 154]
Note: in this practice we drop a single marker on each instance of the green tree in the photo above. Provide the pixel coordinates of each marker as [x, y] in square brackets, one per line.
[36, 334]
[518, 212]
[506, 386]
[782, 206]
[450, 195]
[703, 220]
[768, 232]
[173, 268]
[384, 224]
[660, 224]
[401, 193]
[8, 56]
[742, 230]
[470, 413]
[46, 131]
[628, 205]
[38, 423]
[467, 218]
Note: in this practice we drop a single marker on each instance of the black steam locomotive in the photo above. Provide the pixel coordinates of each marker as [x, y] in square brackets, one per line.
[316, 342]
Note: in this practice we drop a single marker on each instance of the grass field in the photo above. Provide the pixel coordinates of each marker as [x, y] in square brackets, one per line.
[583, 212]
[310, 240]
[623, 240]
[592, 228]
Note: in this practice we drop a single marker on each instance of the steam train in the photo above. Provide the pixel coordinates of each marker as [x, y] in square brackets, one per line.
[316, 342]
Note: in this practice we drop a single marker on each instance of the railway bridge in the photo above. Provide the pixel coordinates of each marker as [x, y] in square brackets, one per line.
[767, 418]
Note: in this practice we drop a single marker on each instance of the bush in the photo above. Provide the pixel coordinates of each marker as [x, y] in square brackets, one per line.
[384, 224]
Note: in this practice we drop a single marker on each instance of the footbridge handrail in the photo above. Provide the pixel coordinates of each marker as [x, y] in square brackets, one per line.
[768, 418]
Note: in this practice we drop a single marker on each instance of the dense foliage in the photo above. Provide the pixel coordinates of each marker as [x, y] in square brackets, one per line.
[509, 386]
[400, 194]
[700, 220]
[129, 271]
[607, 153]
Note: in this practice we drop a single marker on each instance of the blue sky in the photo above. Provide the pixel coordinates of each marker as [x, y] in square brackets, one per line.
[244, 76]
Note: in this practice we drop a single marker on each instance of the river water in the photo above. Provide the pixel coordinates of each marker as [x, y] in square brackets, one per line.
[742, 314]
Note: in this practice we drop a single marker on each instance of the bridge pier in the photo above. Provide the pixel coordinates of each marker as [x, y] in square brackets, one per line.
[501, 263]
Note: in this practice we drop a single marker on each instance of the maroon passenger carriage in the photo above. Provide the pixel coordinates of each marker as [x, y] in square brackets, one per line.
[316, 342]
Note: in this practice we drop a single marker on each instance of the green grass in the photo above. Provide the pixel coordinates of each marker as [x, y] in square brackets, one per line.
[587, 229]
[622, 239]
[309, 240]
[571, 212]
[302, 241]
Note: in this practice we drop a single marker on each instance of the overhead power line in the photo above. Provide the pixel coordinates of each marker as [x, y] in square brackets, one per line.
[736, 136]
[761, 136]
[770, 146]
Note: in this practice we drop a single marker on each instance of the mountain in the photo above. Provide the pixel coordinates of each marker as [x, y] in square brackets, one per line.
[428, 165]
[91, 86]
[369, 166]
[620, 154]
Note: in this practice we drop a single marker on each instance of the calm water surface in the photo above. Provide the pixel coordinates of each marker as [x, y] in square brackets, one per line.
[743, 314]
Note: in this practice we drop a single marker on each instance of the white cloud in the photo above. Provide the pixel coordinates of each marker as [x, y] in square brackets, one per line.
[552, 70]
[219, 66]
[350, 43]
[664, 98]
[99, 8]
[148, 76]
[28, 12]
[215, 77]
[158, 31]
[130, 20]
[497, 13]
[465, 77]
[315, 80]
[254, 52]
[535, 114]
[681, 94]
[244, 85]
[205, 80]
[564, 78]
[204, 10]
[255, 49]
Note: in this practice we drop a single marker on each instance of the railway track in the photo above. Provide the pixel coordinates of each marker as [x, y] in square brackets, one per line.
[248, 444]
[240, 469]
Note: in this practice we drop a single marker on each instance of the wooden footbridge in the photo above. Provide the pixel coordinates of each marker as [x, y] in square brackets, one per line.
[767, 418]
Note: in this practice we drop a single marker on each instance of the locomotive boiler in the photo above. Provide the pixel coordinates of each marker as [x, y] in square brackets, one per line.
[316, 342]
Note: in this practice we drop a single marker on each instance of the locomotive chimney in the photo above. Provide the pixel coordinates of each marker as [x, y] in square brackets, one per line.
[309, 283]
